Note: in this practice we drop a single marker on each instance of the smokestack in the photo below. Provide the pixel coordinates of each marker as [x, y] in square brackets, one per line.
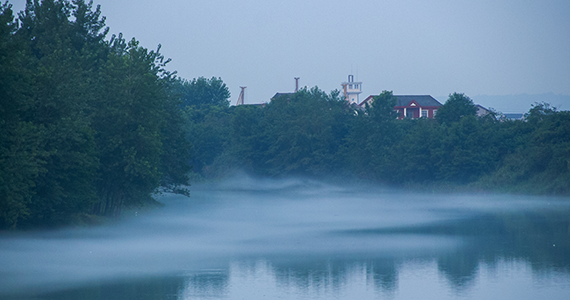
[296, 84]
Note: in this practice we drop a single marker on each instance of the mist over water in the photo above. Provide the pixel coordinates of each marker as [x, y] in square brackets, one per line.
[303, 239]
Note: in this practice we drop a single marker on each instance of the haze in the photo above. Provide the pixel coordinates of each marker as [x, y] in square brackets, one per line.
[408, 47]
[295, 223]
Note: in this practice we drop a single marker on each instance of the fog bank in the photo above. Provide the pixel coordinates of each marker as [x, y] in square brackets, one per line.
[244, 218]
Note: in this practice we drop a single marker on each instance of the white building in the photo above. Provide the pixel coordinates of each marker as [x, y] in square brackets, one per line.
[351, 90]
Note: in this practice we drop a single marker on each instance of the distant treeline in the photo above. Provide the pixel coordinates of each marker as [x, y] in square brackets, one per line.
[311, 133]
[87, 125]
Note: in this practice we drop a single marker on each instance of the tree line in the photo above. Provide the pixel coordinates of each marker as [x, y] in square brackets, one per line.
[312, 133]
[88, 125]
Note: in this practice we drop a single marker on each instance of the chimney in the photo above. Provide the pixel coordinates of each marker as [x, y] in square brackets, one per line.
[296, 84]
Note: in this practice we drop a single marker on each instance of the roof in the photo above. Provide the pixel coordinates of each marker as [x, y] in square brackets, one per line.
[514, 116]
[277, 95]
[405, 100]
[481, 110]
[422, 100]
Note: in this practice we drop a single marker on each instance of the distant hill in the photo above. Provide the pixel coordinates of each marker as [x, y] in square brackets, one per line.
[520, 103]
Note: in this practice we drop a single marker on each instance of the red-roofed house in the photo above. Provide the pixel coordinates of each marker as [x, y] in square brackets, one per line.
[411, 106]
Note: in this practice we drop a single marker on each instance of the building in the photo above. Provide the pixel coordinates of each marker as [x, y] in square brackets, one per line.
[278, 95]
[514, 116]
[351, 90]
[482, 111]
[411, 106]
[288, 95]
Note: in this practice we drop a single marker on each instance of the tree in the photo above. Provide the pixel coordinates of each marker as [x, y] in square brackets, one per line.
[59, 93]
[380, 132]
[456, 107]
[303, 132]
[130, 116]
[414, 156]
[539, 112]
[247, 139]
[201, 92]
[465, 151]
[208, 131]
[382, 107]
[20, 155]
[174, 162]
[205, 106]
[86, 125]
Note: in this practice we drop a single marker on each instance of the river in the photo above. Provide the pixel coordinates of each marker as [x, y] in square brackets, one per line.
[303, 239]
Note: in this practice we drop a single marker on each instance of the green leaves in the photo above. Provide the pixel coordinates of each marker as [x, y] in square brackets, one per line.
[456, 107]
[303, 132]
[130, 116]
[203, 93]
[83, 121]
[20, 142]
[309, 133]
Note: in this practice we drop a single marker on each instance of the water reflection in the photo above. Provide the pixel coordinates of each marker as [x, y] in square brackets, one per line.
[207, 284]
[384, 275]
[460, 269]
[167, 287]
[531, 246]
[299, 240]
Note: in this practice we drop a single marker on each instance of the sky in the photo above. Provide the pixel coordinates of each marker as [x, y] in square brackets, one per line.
[476, 47]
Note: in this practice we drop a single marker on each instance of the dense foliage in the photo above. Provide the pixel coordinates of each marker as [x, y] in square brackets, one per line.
[311, 133]
[88, 125]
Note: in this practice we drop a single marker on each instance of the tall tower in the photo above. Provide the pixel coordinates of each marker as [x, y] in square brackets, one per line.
[241, 96]
[351, 90]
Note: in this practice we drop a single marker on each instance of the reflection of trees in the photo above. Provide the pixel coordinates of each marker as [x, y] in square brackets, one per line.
[142, 289]
[540, 238]
[306, 275]
[460, 268]
[333, 274]
[384, 273]
[205, 284]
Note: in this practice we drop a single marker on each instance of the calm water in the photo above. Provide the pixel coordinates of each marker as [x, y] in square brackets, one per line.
[298, 239]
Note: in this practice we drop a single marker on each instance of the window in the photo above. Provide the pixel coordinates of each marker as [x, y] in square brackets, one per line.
[424, 113]
[434, 111]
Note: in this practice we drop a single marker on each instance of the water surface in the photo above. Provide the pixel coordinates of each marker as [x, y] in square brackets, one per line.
[301, 239]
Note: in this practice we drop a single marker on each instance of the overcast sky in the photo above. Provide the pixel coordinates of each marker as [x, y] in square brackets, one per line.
[435, 47]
